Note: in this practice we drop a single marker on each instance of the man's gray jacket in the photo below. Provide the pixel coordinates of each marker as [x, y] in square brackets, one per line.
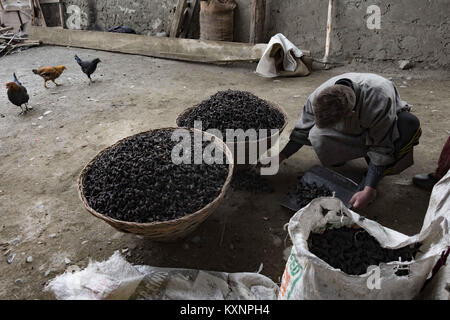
[371, 131]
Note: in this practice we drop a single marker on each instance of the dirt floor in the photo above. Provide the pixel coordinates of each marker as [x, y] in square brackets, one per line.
[42, 153]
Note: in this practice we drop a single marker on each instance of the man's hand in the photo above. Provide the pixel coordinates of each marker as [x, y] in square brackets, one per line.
[281, 158]
[362, 199]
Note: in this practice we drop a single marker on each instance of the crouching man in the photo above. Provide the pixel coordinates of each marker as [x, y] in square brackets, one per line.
[357, 115]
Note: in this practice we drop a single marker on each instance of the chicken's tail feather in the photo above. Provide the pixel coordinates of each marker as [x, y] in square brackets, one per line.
[78, 59]
[15, 78]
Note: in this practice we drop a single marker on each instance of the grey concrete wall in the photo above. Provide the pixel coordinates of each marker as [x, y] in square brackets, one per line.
[417, 30]
[410, 29]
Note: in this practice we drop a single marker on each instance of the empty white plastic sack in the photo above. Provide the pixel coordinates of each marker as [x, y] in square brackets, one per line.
[117, 279]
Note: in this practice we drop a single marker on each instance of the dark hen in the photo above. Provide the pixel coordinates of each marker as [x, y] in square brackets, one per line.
[18, 94]
[88, 67]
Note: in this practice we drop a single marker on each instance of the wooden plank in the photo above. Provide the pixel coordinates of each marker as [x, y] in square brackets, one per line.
[16, 38]
[329, 26]
[177, 18]
[257, 20]
[5, 29]
[14, 8]
[40, 20]
[32, 10]
[160, 47]
[61, 14]
[26, 44]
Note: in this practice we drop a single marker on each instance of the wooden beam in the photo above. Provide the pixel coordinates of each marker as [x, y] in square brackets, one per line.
[178, 18]
[6, 29]
[160, 47]
[258, 15]
[40, 18]
[61, 14]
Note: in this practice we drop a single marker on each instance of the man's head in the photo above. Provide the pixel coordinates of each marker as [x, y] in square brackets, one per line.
[333, 104]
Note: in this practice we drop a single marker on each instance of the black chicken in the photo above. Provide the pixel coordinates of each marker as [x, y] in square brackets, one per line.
[18, 94]
[88, 67]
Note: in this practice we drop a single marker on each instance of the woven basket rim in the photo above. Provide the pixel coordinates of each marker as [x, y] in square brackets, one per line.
[271, 104]
[185, 218]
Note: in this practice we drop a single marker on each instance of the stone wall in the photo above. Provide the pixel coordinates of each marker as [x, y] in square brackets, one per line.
[417, 30]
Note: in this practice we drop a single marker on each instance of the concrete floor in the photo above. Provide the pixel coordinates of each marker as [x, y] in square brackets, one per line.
[40, 159]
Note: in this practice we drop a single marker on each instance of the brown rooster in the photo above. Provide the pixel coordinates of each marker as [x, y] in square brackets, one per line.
[50, 73]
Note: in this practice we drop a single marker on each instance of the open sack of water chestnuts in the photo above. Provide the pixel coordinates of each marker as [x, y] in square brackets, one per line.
[338, 254]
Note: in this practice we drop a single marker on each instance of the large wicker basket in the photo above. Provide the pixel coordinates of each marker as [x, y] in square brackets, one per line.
[166, 231]
[234, 146]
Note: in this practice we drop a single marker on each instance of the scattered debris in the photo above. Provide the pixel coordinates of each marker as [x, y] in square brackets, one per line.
[48, 272]
[161, 34]
[10, 258]
[10, 41]
[53, 235]
[67, 261]
[18, 282]
[73, 268]
[29, 259]
[405, 64]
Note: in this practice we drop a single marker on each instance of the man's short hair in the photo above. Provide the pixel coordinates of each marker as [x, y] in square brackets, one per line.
[332, 104]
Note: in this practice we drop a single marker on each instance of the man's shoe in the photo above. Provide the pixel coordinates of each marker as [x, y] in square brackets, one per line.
[425, 181]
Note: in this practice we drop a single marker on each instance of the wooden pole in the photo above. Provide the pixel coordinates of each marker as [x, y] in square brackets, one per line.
[258, 11]
[61, 13]
[177, 18]
[329, 26]
[6, 29]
